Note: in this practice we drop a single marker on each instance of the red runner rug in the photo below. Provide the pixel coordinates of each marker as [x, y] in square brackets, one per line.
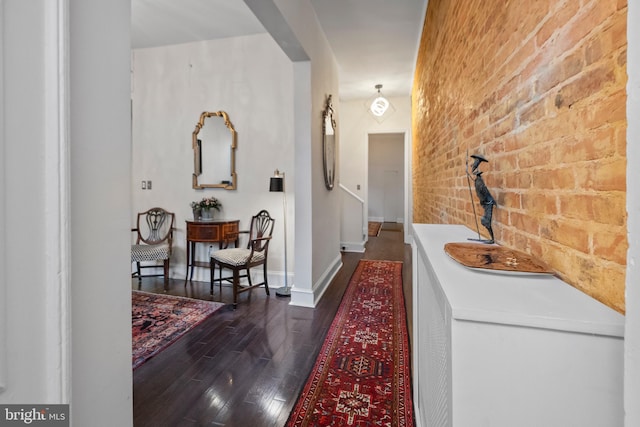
[362, 374]
[159, 320]
[374, 228]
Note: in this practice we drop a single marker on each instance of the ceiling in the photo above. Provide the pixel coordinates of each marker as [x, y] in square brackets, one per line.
[374, 41]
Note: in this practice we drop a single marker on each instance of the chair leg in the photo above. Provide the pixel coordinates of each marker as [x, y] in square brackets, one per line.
[236, 284]
[139, 273]
[166, 274]
[212, 274]
[220, 283]
[266, 284]
[249, 277]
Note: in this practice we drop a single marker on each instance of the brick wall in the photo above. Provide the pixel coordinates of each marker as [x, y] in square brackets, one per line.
[538, 88]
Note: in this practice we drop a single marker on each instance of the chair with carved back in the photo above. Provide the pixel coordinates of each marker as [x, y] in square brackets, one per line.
[242, 260]
[153, 242]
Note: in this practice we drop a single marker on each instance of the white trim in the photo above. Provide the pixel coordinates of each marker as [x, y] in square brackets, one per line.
[632, 292]
[353, 246]
[408, 186]
[306, 298]
[408, 183]
[302, 298]
[3, 278]
[57, 193]
[351, 193]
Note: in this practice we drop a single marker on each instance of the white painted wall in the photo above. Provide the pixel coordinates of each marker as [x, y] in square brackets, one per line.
[26, 283]
[251, 79]
[356, 125]
[100, 165]
[66, 162]
[632, 333]
[3, 248]
[317, 246]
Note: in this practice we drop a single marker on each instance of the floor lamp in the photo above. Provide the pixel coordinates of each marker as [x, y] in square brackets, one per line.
[276, 184]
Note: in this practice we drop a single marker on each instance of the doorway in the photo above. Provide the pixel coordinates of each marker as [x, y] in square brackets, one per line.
[386, 166]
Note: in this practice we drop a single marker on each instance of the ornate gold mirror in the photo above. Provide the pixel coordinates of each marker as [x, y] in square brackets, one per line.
[329, 145]
[214, 152]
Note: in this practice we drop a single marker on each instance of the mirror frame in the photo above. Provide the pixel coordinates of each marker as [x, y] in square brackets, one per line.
[197, 160]
[328, 153]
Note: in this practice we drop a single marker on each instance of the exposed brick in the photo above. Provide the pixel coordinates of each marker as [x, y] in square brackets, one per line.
[540, 203]
[597, 144]
[509, 198]
[553, 179]
[518, 180]
[556, 20]
[570, 234]
[610, 245]
[535, 155]
[524, 222]
[548, 77]
[541, 91]
[610, 109]
[608, 175]
[594, 50]
[572, 64]
[533, 112]
[586, 85]
[607, 210]
[591, 16]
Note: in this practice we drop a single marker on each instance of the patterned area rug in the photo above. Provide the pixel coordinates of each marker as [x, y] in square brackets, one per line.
[362, 374]
[159, 320]
[374, 228]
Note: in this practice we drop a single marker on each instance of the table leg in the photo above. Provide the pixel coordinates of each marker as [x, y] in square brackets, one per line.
[190, 248]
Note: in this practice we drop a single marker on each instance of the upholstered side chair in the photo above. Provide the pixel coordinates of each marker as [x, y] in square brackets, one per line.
[241, 260]
[153, 243]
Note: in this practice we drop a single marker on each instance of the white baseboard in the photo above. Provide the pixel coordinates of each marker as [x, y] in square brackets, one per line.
[306, 298]
[352, 247]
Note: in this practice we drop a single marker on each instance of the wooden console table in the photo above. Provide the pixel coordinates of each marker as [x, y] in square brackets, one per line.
[214, 231]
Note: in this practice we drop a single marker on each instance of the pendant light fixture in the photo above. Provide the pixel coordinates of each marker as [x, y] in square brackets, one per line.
[379, 106]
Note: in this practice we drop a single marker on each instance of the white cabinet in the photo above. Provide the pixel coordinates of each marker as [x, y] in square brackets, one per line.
[508, 350]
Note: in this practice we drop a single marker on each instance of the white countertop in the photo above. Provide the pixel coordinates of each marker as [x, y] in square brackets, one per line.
[541, 301]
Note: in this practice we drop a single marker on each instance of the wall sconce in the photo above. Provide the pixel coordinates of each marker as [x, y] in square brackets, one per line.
[379, 106]
[276, 184]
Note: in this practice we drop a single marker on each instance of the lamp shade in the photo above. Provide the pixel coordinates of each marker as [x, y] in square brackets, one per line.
[276, 184]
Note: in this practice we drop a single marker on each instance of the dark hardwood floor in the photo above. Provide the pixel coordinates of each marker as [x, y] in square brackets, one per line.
[246, 367]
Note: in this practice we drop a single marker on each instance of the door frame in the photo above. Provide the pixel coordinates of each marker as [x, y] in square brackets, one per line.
[408, 185]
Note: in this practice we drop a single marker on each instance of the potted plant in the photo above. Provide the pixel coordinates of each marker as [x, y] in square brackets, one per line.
[203, 209]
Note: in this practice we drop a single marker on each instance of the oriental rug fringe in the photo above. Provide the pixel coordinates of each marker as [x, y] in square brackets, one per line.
[159, 320]
[374, 228]
[362, 374]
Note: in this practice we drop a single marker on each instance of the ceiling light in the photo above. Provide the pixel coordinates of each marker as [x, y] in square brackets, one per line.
[380, 104]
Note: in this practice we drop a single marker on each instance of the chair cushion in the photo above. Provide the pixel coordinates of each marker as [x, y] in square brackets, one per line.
[149, 252]
[236, 256]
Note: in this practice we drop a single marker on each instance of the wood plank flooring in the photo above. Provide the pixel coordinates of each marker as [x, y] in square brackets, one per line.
[246, 367]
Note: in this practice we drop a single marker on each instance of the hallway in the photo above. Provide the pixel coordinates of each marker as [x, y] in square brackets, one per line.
[247, 367]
